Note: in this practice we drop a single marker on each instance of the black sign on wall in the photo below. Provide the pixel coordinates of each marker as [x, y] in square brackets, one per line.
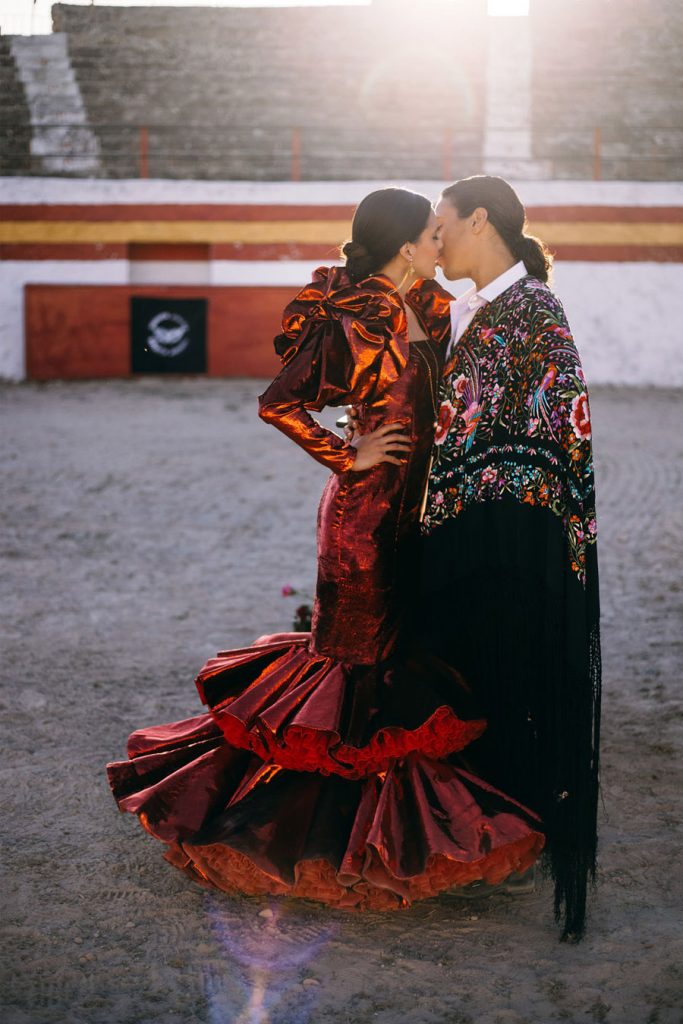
[167, 335]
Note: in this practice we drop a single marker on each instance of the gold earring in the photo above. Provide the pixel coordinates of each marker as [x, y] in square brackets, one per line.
[409, 273]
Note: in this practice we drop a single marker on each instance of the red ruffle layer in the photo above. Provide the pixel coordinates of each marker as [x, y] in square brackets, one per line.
[373, 825]
[287, 705]
[177, 776]
[417, 832]
[220, 867]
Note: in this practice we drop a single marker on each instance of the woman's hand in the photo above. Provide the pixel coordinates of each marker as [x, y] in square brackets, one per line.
[381, 445]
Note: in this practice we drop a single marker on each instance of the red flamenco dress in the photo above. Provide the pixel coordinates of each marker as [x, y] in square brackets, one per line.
[321, 769]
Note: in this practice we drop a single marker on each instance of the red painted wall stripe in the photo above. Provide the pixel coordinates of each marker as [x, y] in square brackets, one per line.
[169, 251]
[607, 214]
[63, 251]
[165, 211]
[618, 253]
[242, 212]
[274, 252]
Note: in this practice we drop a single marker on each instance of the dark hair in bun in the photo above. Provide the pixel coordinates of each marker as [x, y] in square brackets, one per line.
[382, 223]
[508, 216]
[358, 260]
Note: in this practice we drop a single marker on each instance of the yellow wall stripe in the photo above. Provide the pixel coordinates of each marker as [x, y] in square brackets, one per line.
[326, 232]
[331, 232]
[600, 233]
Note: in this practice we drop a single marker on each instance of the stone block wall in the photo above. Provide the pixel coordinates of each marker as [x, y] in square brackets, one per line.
[361, 93]
[222, 90]
[612, 65]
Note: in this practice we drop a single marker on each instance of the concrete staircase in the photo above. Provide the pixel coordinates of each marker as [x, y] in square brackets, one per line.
[61, 141]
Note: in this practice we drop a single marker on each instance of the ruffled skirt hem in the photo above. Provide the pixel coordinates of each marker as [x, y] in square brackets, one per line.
[323, 781]
[218, 866]
[307, 712]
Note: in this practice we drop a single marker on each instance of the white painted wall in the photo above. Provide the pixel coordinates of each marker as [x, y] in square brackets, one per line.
[14, 274]
[623, 315]
[170, 272]
[625, 333]
[622, 319]
[294, 273]
[532, 193]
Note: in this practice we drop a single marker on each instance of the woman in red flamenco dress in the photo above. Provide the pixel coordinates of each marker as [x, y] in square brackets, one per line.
[321, 768]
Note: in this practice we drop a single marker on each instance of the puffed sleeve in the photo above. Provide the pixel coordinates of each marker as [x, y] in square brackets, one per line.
[316, 374]
[341, 343]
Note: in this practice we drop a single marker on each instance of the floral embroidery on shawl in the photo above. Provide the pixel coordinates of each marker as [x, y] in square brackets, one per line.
[514, 420]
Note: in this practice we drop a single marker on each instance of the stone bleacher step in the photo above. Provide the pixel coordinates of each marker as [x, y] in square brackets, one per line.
[62, 141]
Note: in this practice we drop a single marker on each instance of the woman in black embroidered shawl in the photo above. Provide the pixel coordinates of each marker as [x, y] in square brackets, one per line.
[510, 582]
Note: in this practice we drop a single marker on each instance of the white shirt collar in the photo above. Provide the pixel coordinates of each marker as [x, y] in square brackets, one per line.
[463, 309]
[473, 299]
[504, 281]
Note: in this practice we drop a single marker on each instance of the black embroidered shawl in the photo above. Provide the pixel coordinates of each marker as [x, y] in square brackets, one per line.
[510, 582]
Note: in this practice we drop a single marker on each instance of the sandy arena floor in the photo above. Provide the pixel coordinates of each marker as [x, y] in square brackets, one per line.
[150, 523]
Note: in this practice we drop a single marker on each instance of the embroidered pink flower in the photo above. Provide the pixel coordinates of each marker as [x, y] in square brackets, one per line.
[580, 417]
[533, 426]
[443, 423]
[490, 475]
[592, 527]
[460, 384]
[438, 498]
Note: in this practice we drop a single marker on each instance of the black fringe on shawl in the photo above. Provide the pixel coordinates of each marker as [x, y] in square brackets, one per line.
[499, 601]
[571, 820]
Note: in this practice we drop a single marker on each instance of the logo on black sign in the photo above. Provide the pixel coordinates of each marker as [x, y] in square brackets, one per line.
[168, 335]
